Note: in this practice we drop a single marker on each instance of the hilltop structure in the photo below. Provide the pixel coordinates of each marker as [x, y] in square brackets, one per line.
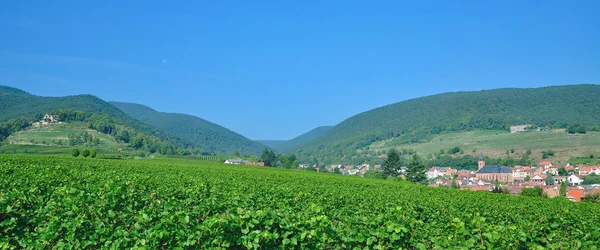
[493, 172]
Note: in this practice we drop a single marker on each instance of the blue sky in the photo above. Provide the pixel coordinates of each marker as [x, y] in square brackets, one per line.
[276, 69]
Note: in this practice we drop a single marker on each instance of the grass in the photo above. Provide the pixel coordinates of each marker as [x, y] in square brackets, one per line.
[497, 143]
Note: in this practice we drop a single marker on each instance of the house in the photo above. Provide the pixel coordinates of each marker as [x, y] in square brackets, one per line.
[519, 173]
[545, 164]
[575, 180]
[552, 191]
[560, 179]
[258, 164]
[51, 118]
[575, 194]
[539, 178]
[493, 173]
[587, 170]
[451, 172]
[519, 128]
[234, 161]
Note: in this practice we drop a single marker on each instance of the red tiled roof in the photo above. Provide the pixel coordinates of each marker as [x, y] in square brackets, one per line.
[577, 194]
[544, 163]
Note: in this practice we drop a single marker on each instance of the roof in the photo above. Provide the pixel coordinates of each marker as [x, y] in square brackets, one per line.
[543, 163]
[576, 194]
[494, 169]
[234, 160]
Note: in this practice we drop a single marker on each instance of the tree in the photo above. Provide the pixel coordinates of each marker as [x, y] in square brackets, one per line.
[544, 155]
[392, 164]
[562, 171]
[75, 152]
[93, 153]
[268, 157]
[527, 178]
[237, 154]
[563, 190]
[85, 152]
[416, 171]
[549, 180]
[454, 184]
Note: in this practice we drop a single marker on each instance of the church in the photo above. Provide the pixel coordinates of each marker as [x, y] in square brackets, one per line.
[492, 173]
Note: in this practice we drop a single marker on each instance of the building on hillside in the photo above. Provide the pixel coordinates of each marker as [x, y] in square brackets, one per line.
[575, 180]
[234, 161]
[560, 179]
[436, 172]
[519, 173]
[587, 170]
[545, 164]
[539, 178]
[50, 118]
[519, 128]
[493, 173]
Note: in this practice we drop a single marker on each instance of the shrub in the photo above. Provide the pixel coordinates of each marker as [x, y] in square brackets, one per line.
[85, 153]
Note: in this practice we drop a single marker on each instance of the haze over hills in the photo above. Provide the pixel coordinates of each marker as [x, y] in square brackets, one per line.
[416, 120]
[195, 130]
[289, 146]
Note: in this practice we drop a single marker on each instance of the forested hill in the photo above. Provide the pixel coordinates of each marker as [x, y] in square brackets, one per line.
[195, 130]
[288, 146]
[16, 103]
[417, 119]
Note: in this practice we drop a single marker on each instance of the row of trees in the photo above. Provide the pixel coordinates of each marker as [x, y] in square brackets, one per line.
[85, 153]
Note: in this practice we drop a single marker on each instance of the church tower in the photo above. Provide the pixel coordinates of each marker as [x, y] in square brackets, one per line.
[481, 162]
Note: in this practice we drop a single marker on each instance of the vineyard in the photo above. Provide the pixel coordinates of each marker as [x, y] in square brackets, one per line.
[60, 202]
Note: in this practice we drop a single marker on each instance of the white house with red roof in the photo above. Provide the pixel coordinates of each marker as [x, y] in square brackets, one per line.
[587, 170]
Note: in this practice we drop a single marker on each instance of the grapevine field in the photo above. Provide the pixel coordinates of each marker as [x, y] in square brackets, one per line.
[61, 202]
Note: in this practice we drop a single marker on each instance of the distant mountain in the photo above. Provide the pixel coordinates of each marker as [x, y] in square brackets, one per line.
[417, 120]
[288, 146]
[199, 132]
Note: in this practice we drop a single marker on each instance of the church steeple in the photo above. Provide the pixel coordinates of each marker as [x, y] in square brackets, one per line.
[481, 162]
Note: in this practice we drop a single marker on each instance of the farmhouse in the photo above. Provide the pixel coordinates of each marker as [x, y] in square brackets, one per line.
[234, 161]
[51, 118]
[519, 128]
[493, 173]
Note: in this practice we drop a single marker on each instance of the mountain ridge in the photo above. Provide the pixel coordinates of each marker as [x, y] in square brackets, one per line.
[288, 146]
[415, 120]
[194, 129]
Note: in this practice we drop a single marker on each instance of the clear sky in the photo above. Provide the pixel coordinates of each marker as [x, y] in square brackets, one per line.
[276, 69]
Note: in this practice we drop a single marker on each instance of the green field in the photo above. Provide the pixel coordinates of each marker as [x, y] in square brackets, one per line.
[496, 143]
[50, 135]
[62, 202]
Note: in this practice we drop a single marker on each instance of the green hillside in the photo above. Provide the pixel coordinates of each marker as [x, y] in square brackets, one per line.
[15, 103]
[496, 144]
[293, 144]
[19, 108]
[62, 135]
[418, 120]
[199, 132]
